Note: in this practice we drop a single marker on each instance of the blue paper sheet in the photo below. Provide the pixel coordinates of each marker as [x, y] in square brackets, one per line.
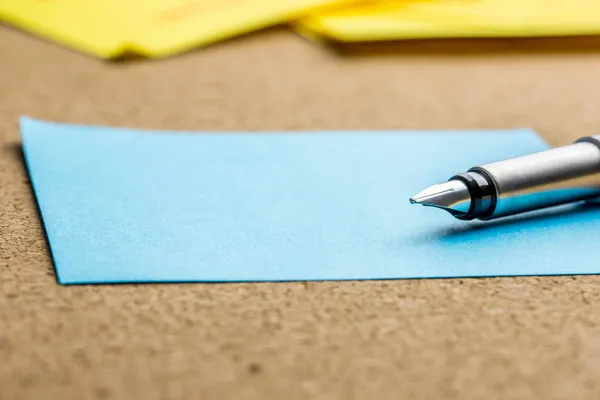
[122, 205]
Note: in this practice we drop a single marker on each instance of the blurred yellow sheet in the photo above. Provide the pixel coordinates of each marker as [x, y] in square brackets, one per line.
[153, 28]
[422, 19]
[89, 26]
[166, 27]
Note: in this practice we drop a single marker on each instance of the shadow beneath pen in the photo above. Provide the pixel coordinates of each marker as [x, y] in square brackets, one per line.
[561, 216]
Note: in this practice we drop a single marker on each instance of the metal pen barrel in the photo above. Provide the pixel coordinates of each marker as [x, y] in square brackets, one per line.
[548, 178]
[544, 179]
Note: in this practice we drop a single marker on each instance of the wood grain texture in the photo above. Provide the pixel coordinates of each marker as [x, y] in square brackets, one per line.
[508, 338]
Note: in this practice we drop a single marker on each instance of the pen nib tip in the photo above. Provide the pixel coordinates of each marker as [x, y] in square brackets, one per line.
[452, 196]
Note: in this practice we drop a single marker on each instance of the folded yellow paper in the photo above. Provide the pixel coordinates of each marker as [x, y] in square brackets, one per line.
[168, 27]
[153, 28]
[421, 19]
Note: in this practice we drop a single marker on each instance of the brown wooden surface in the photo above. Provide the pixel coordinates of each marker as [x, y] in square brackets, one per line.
[509, 338]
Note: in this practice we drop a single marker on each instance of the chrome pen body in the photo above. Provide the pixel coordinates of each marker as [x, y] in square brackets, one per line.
[561, 175]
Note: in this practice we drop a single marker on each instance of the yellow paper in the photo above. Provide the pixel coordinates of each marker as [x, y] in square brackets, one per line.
[528, 17]
[415, 19]
[172, 26]
[90, 27]
[154, 28]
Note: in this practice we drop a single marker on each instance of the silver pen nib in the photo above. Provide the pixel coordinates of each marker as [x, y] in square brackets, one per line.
[452, 196]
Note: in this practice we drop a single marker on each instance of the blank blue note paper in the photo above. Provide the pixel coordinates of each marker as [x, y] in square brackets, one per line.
[124, 205]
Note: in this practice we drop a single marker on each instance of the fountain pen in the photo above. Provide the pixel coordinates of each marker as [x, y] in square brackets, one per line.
[549, 178]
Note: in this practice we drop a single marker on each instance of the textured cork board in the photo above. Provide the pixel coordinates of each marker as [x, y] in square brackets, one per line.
[521, 338]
